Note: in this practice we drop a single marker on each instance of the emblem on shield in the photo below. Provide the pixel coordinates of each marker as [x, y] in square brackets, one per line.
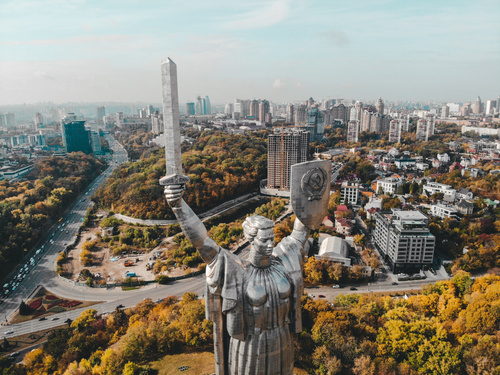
[313, 183]
[310, 191]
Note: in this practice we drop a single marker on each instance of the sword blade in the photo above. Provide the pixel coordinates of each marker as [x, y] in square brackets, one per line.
[171, 134]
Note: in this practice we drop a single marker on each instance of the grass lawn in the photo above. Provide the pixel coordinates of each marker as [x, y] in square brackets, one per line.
[199, 364]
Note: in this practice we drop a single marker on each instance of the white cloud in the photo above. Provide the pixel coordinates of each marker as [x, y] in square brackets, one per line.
[267, 15]
[278, 83]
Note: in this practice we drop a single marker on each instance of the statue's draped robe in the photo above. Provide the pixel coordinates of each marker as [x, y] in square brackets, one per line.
[261, 308]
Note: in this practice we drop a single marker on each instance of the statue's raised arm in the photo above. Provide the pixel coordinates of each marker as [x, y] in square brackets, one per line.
[254, 303]
[190, 223]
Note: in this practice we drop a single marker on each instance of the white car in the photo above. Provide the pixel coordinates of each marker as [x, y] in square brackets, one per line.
[8, 332]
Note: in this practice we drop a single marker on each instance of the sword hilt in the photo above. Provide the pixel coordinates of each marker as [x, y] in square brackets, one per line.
[174, 179]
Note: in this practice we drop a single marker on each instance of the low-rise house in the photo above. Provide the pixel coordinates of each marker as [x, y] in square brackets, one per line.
[473, 172]
[443, 158]
[405, 163]
[343, 226]
[464, 194]
[464, 207]
[422, 166]
[435, 187]
[443, 211]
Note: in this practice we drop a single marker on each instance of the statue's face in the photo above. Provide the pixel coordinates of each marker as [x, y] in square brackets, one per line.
[263, 242]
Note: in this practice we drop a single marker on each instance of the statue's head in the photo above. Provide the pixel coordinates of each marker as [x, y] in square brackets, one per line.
[259, 231]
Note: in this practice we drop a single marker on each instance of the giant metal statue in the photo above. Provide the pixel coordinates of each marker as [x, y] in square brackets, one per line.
[255, 303]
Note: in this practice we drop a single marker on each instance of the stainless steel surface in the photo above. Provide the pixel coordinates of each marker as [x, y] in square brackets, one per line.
[310, 191]
[171, 125]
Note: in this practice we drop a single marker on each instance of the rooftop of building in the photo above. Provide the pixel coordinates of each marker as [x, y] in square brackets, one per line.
[409, 215]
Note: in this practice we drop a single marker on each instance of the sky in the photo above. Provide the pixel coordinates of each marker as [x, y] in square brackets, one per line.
[280, 50]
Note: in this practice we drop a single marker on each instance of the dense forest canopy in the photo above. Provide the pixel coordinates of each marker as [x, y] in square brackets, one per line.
[28, 208]
[220, 166]
[451, 327]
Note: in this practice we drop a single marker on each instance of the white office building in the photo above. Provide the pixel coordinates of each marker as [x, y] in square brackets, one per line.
[404, 239]
[388, 185]
[350, 192]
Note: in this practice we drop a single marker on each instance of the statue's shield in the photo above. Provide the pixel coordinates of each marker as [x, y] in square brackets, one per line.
[310, 191]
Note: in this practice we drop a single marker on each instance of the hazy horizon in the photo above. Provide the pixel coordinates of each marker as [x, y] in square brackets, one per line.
[282, 50]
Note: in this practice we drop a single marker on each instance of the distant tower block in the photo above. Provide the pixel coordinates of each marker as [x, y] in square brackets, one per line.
[422, 134]
[395, 131]
[353, 131]
[285, 148]
[380, 106]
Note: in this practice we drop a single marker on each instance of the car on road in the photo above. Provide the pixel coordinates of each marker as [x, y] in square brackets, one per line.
[353, 288]
[336, 286]
[394, 283]
[321, 296]
[42, 319]
[55, 318]
[9, 332]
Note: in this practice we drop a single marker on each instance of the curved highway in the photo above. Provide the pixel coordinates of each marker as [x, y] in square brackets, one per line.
[41, 270]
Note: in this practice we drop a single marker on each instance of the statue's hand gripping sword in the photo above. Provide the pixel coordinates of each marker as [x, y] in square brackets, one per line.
[174, 180]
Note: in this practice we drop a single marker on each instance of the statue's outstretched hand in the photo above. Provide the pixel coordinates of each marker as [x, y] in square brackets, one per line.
[173, 194]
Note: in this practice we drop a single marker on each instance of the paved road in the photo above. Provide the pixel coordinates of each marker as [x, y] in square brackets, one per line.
[41, 271]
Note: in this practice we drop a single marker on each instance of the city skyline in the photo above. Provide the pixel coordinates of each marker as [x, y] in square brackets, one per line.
[284, 50]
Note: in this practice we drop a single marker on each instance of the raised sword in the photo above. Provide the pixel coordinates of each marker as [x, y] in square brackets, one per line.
[171, 125]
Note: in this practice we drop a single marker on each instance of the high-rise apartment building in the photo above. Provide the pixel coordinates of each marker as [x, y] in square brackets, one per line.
[7, 119]
[229, 109]
[477, 107]
[353, 131]
[75, 137]
[404, 239]
[285, 148]
[263, 110]
[356, 111]
[490, 107]
[95, 142]
[157, 122]
[300, 115]
[199, 107]
[39, 121]
[315, 124]
[290, 115]
[445, 111]
[422, 134]
[101, 112]
[380, 106]
[254, 109]
[395, 131]
[207, 107]
[466, 109]
[190, 111]
[430, 125]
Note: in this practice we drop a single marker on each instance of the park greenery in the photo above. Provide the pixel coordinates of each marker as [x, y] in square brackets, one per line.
[450, 327]
[28, 208]
[220, 166]
[225, 230]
